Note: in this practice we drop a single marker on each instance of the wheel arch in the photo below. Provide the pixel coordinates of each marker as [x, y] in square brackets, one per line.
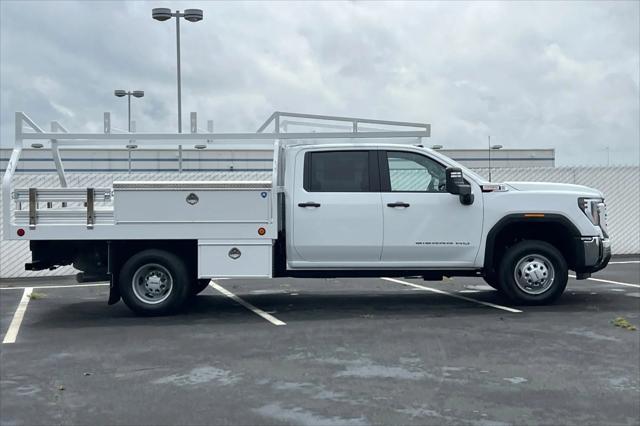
[555, 229]
[121, 250]
[169, 266]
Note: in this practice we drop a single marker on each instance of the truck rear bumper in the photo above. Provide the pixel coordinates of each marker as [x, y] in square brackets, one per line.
[592, 254]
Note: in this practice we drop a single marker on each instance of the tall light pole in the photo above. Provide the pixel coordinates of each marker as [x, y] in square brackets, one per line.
[136, 94]
[191, 15]
[496, 147]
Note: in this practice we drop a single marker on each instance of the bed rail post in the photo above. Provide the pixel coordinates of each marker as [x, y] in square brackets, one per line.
[8, 176]
[106, 122]
[55, 152]
[194, 122]
[209, 129]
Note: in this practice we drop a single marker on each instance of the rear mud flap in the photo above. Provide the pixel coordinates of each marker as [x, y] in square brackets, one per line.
[114, 291]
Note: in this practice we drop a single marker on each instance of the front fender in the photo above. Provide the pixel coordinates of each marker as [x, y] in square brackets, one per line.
[517, 218]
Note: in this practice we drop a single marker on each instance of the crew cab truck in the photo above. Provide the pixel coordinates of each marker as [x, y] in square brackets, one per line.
[363, 202]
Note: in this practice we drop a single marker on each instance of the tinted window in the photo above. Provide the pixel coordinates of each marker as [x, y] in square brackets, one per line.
[337, 171]
[411, 172]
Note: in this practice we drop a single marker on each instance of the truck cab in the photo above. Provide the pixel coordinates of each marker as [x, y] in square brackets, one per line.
[403, 209]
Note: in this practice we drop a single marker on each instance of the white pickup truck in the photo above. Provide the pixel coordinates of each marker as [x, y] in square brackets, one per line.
[375, 203]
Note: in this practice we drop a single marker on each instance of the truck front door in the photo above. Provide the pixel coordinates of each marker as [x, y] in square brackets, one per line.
[425, 226]
[336, 209]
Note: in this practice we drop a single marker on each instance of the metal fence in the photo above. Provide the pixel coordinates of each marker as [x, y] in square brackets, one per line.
[619, 184]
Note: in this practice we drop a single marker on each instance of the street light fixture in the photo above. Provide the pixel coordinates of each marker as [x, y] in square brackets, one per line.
[191, 15]
[135, 94]
[161, 14]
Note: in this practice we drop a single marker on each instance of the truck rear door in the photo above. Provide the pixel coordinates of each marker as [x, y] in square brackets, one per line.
[337, 210]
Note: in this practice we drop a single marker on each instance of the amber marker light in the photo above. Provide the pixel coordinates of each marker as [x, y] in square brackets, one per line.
[534, 215]
[262, 231]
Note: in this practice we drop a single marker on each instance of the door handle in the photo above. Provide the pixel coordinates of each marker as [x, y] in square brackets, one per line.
[398, 204]
[309, 204]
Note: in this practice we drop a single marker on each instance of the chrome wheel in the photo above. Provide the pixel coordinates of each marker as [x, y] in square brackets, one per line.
[152, 283]
[534, 274]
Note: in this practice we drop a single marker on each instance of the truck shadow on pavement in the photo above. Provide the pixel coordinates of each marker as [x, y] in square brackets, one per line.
[214, 309]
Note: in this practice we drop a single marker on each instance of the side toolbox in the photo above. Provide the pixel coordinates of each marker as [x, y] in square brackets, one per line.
[234, 259]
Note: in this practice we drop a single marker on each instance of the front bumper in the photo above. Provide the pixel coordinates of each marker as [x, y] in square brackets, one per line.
[592, 254]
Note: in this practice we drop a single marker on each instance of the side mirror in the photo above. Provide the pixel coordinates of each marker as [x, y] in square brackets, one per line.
[455, 184]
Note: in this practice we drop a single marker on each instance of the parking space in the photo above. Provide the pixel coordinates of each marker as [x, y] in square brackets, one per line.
[9, 302]
[347, 352]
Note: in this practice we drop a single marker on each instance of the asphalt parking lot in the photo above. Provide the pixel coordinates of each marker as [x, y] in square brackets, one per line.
[330, 352]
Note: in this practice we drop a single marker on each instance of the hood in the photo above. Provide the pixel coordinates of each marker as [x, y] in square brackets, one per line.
[555, 187]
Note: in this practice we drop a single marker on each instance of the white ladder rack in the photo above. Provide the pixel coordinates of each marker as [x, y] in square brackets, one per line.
[399, 132]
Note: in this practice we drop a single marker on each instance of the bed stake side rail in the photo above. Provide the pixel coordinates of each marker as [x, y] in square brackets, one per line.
[35, 196]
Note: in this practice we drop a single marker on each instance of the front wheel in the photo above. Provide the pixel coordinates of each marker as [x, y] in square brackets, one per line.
[533, 273]
[154, 282]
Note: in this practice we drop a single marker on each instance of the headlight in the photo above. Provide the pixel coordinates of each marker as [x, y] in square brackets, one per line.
[593, 208]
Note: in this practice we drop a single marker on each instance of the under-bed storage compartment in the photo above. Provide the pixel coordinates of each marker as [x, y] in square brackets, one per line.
[248, 259]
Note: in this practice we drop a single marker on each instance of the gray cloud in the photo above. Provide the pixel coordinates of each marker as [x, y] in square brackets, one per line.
[560, 75]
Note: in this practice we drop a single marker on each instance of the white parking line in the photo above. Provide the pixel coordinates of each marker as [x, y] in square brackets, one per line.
[623, 262]
[14, 327]
[273, 320]
[457, 296]
[56, 286]
[610, 282]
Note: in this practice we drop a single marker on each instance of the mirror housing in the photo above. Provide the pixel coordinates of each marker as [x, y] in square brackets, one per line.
[455, 184]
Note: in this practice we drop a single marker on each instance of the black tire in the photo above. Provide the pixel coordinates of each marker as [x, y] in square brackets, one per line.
[156, 264]
[529, 252]
[198, 286]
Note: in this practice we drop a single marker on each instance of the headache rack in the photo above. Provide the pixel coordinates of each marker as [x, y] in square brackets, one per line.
[86, 207]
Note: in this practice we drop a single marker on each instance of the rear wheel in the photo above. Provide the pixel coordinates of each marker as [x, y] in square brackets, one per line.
[154, 282]
[533, 273]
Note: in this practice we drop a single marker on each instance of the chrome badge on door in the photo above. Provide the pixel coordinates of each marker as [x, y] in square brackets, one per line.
[192, 199]
[234, 253]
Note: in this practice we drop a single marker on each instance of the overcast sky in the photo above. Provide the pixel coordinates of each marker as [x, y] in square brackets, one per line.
[532, 75]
